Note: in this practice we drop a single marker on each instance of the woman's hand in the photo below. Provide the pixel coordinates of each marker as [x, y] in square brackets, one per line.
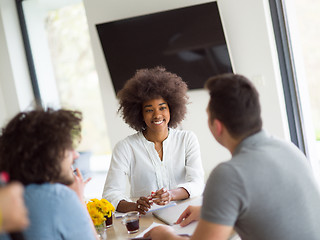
[144, 204]
[162, 196]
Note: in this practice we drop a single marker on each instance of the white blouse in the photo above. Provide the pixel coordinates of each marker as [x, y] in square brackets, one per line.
[135, 158]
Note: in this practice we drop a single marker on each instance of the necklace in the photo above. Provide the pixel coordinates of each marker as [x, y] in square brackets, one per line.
[159, 151]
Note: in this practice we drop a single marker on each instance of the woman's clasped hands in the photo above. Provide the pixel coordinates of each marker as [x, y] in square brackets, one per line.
[159, 197]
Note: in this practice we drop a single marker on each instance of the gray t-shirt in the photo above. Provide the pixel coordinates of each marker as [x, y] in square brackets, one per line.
[266, 191]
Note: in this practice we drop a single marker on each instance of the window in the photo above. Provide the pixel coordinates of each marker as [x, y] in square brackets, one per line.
[299, 54]
[75, 74]
[66, 77]
[304, 26]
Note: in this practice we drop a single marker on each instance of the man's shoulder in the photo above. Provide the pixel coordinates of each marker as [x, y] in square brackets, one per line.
[261, 142]
[224, 169]
[48, 190]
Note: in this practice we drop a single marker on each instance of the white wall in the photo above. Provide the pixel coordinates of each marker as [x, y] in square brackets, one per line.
[15, 85]
[249, 34]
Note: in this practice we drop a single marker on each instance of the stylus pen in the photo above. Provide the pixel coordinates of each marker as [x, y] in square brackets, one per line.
[4, 178]
[182, 235]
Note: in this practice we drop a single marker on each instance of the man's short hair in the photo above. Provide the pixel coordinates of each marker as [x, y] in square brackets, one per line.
[33, 144]
[235, 102]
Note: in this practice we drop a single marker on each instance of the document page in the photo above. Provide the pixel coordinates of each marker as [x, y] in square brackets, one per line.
[170, 215]
[177, 229]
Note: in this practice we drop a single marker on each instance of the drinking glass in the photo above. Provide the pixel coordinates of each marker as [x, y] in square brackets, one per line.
[131, 220]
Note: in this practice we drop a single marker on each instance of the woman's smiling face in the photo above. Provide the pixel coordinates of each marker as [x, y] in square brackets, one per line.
[156, 114]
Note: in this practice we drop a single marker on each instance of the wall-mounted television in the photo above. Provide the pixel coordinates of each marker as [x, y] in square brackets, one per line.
[187, 41]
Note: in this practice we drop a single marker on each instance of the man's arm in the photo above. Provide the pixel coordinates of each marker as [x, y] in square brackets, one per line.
[207, 230]
[204, 231]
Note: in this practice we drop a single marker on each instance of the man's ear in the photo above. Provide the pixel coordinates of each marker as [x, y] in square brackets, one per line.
[218, 126]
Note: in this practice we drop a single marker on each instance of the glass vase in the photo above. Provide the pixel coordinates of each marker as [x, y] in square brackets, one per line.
[101, 231]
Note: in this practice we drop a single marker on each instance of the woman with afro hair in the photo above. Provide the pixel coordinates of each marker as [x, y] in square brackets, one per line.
[162, 163]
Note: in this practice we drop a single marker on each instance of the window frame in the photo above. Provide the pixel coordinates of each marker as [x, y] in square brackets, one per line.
[28, 52]
[288, 75]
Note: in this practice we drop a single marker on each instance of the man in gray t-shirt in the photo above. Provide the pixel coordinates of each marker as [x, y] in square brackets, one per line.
[266, 191]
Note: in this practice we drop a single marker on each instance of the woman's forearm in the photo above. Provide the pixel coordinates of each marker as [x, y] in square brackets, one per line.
[178, 194]
[125, 206]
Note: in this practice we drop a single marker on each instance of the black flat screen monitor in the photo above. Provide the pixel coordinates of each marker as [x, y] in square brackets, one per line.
[187, 41]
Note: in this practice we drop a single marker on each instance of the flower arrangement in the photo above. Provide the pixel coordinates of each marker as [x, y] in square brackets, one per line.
[99, 210]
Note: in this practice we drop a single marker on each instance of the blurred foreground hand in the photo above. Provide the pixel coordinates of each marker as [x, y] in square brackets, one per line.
[13, 213]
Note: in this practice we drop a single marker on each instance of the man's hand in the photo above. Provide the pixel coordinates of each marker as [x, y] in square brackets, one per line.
[78, 185]
[163, 232]
[13, 213]
[192, 213]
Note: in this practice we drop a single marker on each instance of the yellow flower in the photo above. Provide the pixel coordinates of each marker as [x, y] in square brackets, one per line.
[99, 209]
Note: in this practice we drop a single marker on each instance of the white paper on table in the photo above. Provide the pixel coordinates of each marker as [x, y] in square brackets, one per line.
[155, 207]
[118, 214]
[149, 228]
[171, 215]
[189, 229]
